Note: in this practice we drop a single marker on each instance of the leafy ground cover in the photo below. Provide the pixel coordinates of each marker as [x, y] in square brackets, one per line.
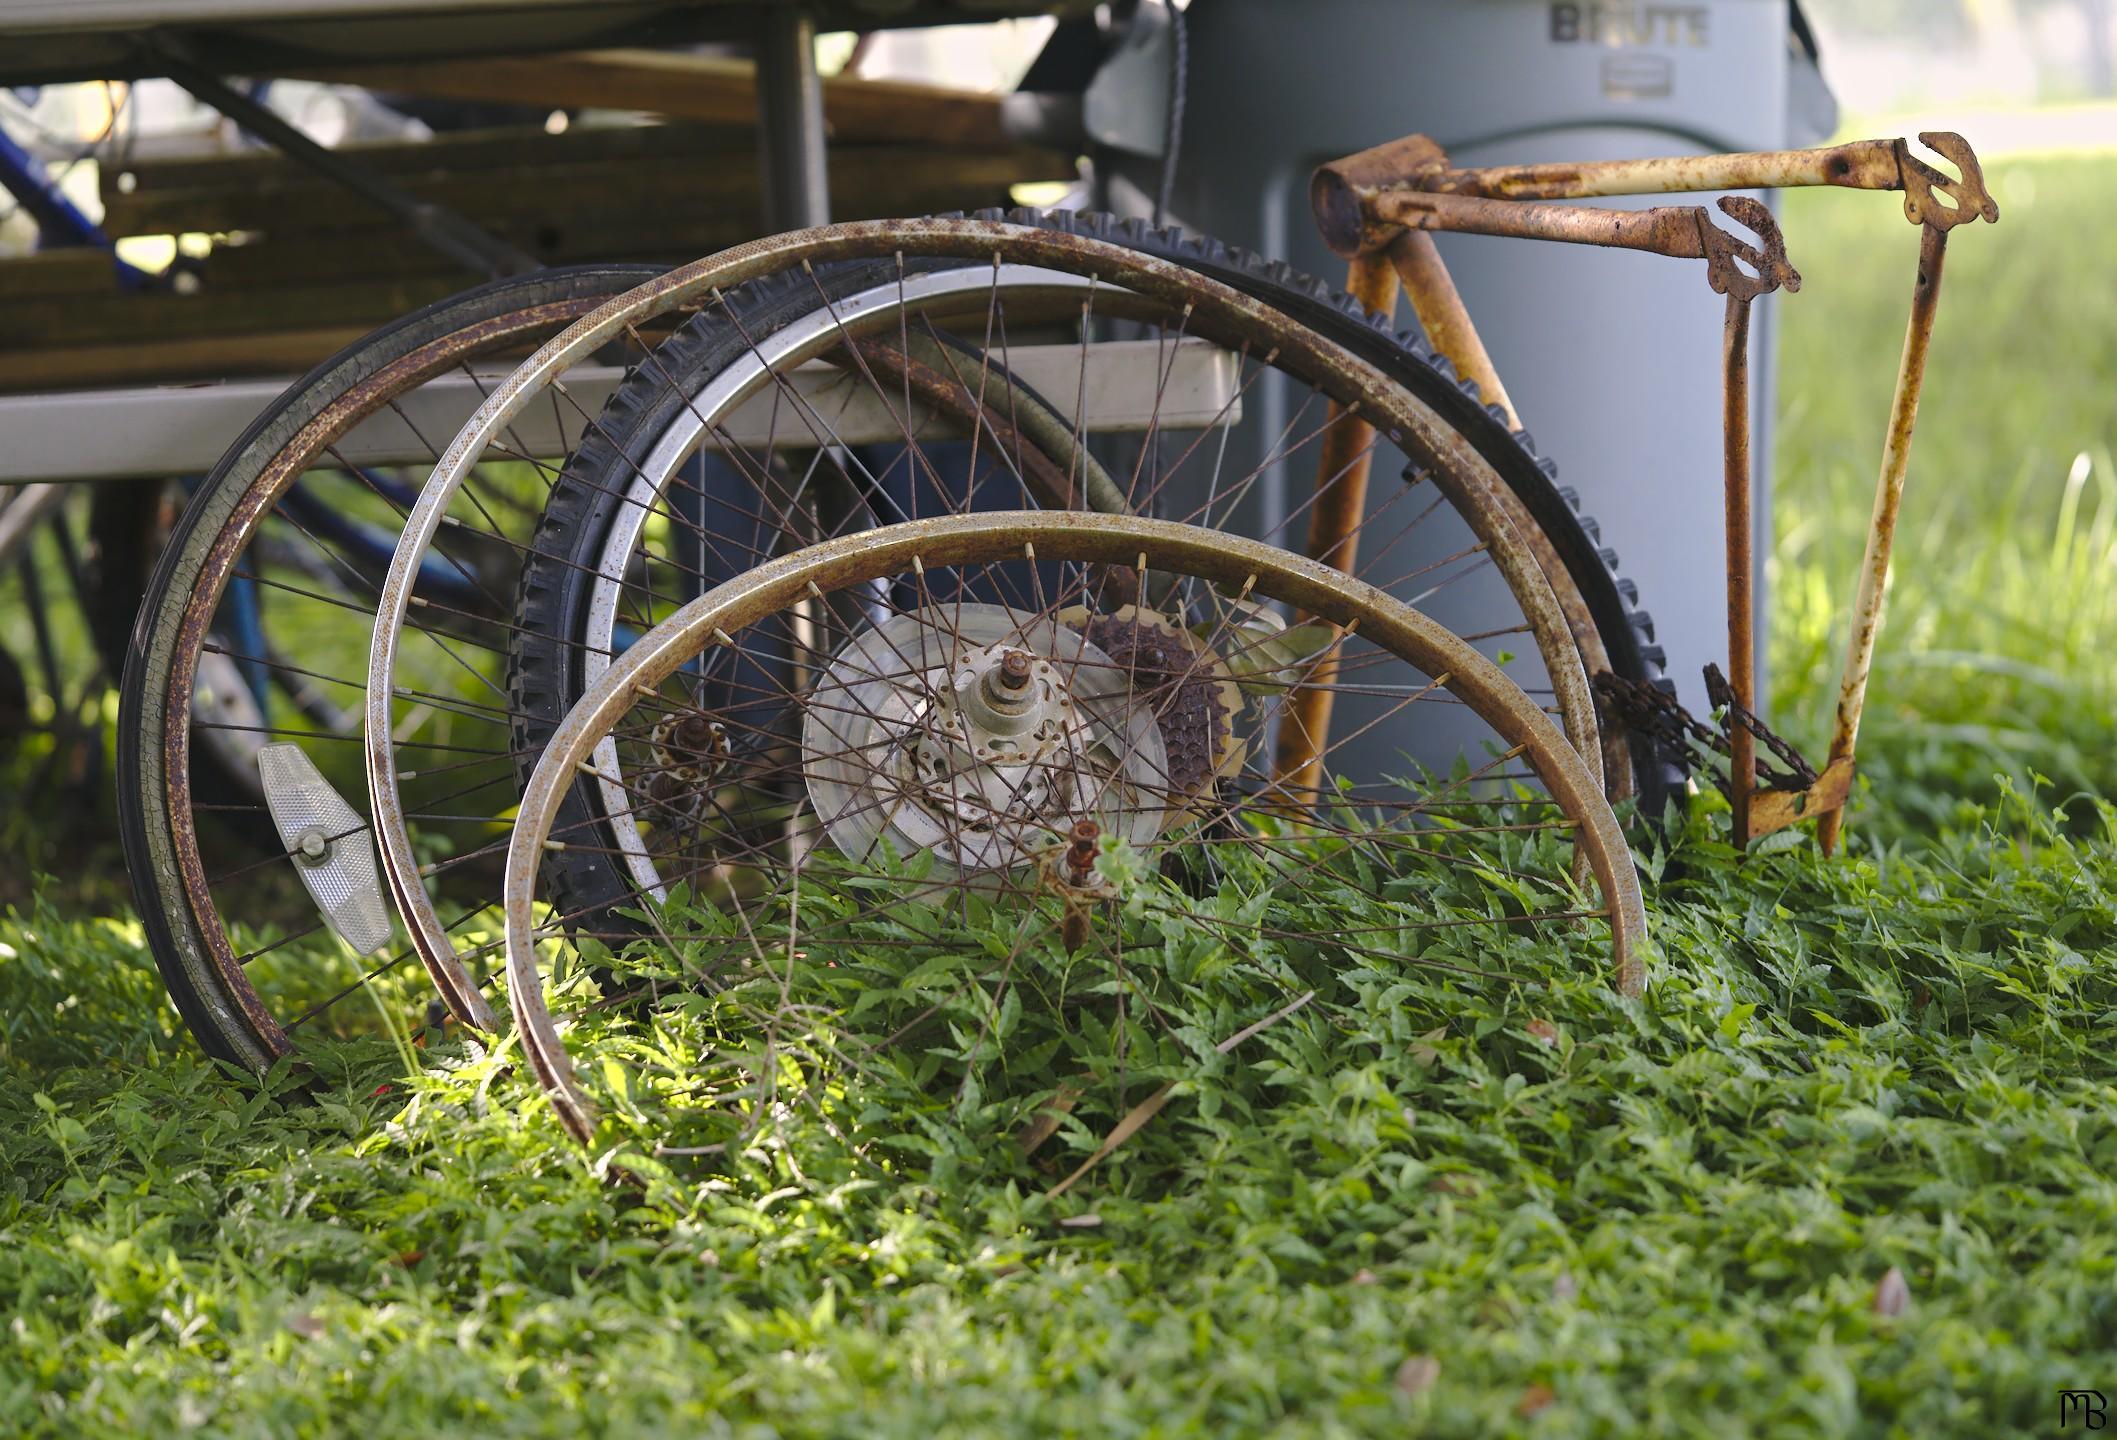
[1457, 1207]
[1846, 1170]
[1997, 659]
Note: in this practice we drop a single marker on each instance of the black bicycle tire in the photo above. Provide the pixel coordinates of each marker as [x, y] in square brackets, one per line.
[544, 668]
[199, 993]
[1626, 630]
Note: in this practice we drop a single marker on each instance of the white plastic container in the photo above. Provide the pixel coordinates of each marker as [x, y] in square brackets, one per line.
[1612, 358]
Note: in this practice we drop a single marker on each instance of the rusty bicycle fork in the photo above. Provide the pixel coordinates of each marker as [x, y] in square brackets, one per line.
[1380, 204]
[1881, 530]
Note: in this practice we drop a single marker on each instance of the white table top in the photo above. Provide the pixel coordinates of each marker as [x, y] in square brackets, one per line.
[45, 41]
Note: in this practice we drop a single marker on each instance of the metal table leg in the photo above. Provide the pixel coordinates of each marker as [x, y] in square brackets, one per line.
[790, 123]
[439, 228]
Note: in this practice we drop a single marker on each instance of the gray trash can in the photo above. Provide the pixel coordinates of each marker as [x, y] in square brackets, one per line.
[1612, 358]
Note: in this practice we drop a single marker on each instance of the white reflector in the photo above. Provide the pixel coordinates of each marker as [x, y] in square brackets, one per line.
[329, 845]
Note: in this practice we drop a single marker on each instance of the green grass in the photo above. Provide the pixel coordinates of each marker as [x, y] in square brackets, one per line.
[1664, 1214]
[1999, 654]
[1426, 1205]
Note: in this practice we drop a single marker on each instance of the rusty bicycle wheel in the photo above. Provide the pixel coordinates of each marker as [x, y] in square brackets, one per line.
[870, 805]
[840, 379]
[250, 652]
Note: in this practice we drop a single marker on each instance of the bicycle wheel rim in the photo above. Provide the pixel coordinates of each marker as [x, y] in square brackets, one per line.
[932, 545]
[1413, 425]
[172, 888]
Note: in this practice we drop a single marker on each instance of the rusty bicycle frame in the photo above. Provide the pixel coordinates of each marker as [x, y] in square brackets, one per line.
[1375, 210]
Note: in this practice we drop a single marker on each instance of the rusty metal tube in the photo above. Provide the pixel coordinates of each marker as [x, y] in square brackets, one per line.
[1674, 230]
[1334, 519]
[1888, 495]
[1444, 317]
[1860, 165]
[1450, 330]
[1741, 563]
[1362, 201]
[1351, 198]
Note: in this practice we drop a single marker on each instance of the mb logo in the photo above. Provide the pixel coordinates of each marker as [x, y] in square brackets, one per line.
[2083, 1408]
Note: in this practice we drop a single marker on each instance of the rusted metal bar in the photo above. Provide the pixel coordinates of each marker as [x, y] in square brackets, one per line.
[1382, 199]
[1449, 328]
[1888, 495]
[1444, 317]
[1860, 165]
[1342, 193]
[1334, 538]
[437, 227]
[1760, 274]
[1772, 810]
[1662, 229]
[1453, 333]
[1741, 592]
[1358, 200]
[1684, 232]
[1736, 268]
[1080, 850]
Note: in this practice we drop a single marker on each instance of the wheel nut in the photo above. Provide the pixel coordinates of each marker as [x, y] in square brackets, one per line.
[1004, 698]
[1080, 854]
[695, 734]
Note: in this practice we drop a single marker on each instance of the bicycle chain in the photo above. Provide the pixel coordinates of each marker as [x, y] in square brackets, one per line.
[1651, 712]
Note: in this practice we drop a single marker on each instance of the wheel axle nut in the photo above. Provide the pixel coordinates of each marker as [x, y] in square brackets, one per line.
[1003, 699]
[694, 733]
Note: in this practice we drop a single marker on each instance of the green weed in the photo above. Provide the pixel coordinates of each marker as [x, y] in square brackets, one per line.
[1439, 1203]
[1423, 1203]
[1997, 657]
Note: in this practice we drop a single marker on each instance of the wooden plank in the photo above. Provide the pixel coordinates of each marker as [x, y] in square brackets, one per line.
[72, 271]
[346, 273]
[267, 261]
[276, 200]
[322, 263]
[158, 317]
[716, 89]
[281, 353]
[866, 182]
[358, 255]
[454, 151]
